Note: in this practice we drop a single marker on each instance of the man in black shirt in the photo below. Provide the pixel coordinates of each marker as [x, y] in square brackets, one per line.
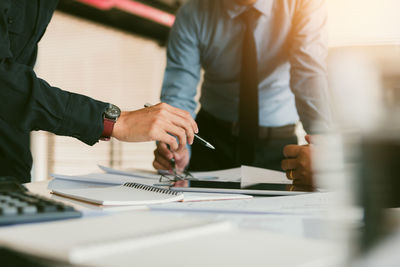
[30, 103]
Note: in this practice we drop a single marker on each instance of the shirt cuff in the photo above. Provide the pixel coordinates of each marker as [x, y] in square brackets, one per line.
[83, 118]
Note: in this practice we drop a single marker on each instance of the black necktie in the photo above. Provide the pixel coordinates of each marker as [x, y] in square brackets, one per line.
[248, 96]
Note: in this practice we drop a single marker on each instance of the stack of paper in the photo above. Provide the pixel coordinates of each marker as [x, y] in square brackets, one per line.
[245, 174]
[102, 181]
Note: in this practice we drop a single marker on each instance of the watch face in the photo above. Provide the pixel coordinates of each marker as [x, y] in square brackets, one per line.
[112, 112]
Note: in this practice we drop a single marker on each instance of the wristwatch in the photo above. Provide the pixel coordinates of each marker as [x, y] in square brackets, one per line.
[110, 116]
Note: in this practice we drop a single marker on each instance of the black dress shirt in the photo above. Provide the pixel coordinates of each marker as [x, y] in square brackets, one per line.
[29, 103]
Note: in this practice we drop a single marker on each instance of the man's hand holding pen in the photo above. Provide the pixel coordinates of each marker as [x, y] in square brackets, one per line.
[160, 122]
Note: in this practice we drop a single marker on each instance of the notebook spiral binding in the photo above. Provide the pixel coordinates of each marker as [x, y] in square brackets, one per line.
[152, 189]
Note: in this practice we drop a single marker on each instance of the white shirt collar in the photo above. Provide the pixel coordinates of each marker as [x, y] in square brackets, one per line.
[234, 10]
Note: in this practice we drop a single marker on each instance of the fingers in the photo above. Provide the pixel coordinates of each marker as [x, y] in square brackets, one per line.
[160, 165]
[185, 115]
[163, 149]
[181, 159]
[188, 130]
[308, 138]
[289, 164]
[291, 175]
[167, 132]
[291, 151]
[162, 157]
[163, 152]
[179, 133]
[298, 164]
[168, 139]
[181, 119]
[299, 175]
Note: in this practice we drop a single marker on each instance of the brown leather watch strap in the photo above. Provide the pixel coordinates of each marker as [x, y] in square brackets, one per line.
[108, 129]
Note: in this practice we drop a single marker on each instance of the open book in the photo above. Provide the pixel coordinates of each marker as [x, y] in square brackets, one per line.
[125, 194]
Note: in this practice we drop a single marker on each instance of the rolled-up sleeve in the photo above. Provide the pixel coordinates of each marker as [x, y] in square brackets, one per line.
[308, 52]
[182, 73]
[29, 103]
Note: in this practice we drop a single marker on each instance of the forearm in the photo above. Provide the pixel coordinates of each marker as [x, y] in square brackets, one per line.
[182, 73]
[32, 104]
[308, 64]
[180, 97]
[313, 104]
[181, 78]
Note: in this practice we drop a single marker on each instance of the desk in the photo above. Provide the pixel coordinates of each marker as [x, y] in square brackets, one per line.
[258, 240]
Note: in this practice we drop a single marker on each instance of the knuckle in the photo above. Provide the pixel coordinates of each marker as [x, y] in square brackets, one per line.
[153, 132]
[189, 127]
[303, 163]
[303, 153]
[181, 132]
[171, 140]
[158, 121]
[154, 121]
[153, 126]
[160, 112]
[285, 151]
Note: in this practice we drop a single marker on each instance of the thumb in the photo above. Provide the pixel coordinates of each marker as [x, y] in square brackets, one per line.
[308, 138]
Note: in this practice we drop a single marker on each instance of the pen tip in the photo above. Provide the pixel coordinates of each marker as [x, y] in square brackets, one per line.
[210, 146]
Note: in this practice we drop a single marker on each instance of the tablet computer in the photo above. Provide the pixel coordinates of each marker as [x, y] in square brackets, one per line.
[261, 189]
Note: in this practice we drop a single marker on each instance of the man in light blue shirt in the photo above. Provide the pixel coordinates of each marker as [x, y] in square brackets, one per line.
[290, 48]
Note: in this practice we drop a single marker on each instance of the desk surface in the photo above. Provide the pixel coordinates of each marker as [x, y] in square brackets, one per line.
[257, 240]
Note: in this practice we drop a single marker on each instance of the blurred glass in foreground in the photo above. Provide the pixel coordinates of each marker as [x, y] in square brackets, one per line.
[359, 160]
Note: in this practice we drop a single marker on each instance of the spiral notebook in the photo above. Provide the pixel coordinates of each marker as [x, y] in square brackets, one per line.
[126, 194]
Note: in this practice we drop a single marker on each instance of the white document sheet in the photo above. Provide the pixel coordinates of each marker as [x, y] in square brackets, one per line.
[233, 175]
[133, 172]
[105, 178]
[307, 204]
[254, 175]
[229, 175]
[61, 184]
[195, 197]
[80, 240]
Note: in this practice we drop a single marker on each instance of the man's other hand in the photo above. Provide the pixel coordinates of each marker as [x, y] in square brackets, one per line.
[298, 164]
[163, 156]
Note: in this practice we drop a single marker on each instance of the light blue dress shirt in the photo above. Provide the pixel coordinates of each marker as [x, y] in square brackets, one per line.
[291, 48]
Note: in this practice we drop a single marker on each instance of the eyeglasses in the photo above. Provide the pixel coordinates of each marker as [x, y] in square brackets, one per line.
[172, 177]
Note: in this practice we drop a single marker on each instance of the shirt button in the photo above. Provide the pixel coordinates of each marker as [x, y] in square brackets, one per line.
[10, 20]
